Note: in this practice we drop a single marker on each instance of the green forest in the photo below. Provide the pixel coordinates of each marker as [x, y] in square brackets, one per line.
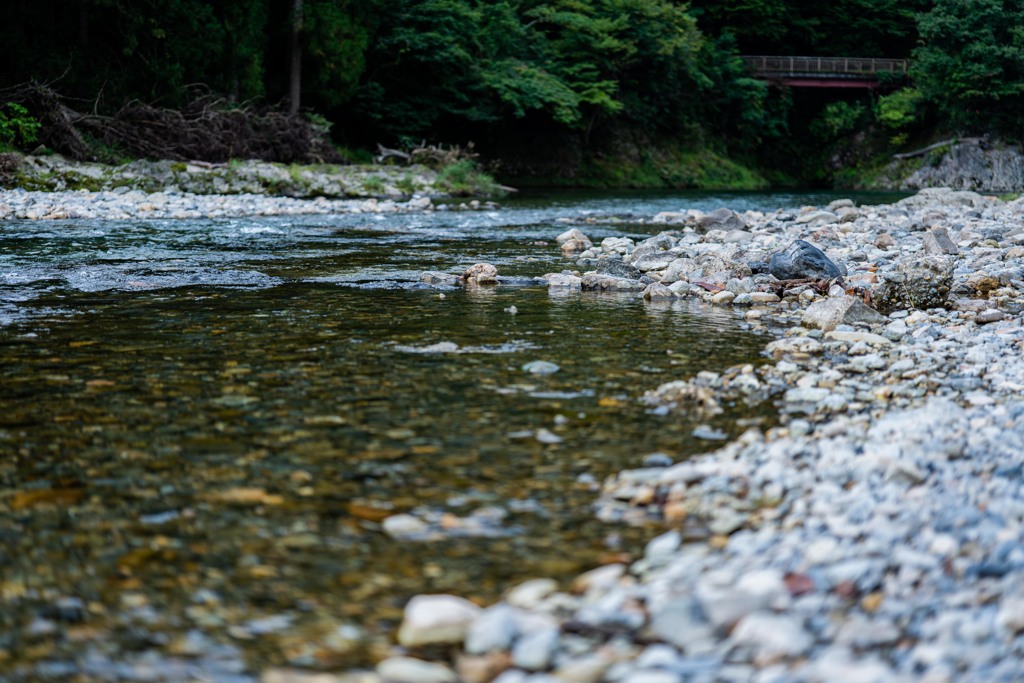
[585, 92]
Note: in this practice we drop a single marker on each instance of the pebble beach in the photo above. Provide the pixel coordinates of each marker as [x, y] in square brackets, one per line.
[876, 534]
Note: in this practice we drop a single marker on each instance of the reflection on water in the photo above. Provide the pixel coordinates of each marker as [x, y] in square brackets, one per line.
[205, 424]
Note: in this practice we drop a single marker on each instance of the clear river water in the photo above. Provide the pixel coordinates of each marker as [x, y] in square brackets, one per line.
[204, 424]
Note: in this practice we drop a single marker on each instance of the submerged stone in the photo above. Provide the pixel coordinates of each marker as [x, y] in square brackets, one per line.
[541, 367]
[802, 260]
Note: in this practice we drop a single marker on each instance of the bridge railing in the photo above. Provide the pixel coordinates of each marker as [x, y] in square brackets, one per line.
[824, 66]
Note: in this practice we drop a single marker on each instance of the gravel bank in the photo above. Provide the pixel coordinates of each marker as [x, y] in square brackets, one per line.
[876, 535]
[54, 173]
[124, 203]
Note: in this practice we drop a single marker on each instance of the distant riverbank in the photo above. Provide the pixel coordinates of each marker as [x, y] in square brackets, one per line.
[54, 173]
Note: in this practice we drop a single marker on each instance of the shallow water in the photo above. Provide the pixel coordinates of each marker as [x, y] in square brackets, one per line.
[203, 424]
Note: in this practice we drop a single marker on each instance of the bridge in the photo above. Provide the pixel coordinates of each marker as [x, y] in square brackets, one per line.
[823, 72]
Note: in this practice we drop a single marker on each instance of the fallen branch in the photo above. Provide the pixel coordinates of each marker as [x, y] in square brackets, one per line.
[385, 153]
[929, 148]
[435, 156]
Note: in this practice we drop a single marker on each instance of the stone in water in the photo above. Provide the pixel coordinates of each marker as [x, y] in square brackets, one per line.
[541, 367]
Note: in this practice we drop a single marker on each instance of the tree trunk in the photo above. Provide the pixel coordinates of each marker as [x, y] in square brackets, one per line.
[83, 24]
[295, 78]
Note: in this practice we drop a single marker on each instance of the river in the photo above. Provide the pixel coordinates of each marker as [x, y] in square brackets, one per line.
[204, 425]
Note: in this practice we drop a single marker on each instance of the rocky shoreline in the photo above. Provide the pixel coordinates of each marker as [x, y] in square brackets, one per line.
[876, 534]
[54, 187]
[125, 204]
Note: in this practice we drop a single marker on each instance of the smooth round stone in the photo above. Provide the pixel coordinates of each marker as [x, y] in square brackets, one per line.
[772, 636]
[653, 676]
[530, 594]
[436, 620]
[989, 315]
[723, 298]
[493, 630]
[535, 651]
[401, 526]
[411, 670]
[541, 367]
[600, 579]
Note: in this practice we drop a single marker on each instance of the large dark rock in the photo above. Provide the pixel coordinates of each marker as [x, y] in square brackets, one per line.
[803, 260]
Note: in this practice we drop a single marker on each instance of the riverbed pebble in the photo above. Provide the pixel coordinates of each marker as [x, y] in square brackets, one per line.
[436, 619]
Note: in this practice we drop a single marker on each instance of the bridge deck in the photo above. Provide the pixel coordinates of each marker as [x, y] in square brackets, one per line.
[827, 72]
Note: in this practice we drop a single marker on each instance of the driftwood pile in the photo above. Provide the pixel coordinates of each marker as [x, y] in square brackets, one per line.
[207, 128]
[434, 156]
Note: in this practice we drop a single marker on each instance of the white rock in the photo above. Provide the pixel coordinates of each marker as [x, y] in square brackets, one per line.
[495, 629]
[839, 665]
[681, 622]
[793, 345]
[814, 217]
[724, 602]
[662, 546]
[563, 281]
[436, 620]
[854, 337]
[1011, 614]
[404, 526]
[530, 594]
[652, 676]
[616, 245]
[772, 636]
[411, 670]
[723, 297]
[600, 579]
[511, 676]
[573, 234]
[535, 651]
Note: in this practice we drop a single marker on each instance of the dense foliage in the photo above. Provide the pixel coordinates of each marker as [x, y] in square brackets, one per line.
[573, 79]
